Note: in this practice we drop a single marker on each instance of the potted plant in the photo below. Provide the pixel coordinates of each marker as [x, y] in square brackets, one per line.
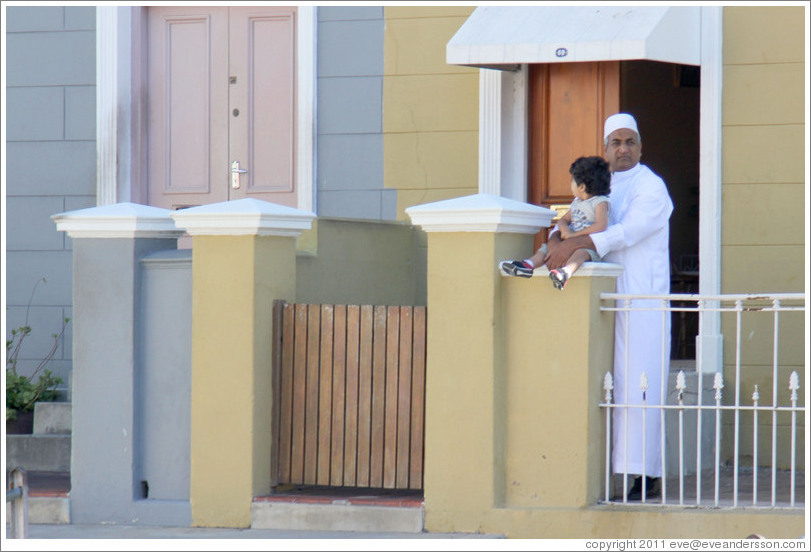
[23, 392]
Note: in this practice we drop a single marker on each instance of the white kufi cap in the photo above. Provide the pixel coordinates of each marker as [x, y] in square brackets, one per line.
[618, 121]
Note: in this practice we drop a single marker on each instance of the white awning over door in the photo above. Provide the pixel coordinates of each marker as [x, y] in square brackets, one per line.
[498, 37]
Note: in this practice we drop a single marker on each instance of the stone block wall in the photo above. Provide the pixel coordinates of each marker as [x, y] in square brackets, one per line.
[50, 163]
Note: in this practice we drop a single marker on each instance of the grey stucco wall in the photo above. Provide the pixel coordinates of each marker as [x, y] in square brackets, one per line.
[50, 164]
[50, 158]
[350, 115]
[116, 444]
[163, 379]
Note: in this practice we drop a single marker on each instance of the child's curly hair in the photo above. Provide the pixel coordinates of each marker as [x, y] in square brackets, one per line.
[594, 173]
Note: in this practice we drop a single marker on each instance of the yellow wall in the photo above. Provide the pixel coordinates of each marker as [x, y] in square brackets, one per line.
[558, 347]
[763, 150]
[235, 280]
[501, 437]
[599, 522]
[430, 108]
[764, 201]
[506, 451]
[463, 415]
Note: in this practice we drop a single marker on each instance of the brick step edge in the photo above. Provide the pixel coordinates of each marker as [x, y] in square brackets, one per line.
[392, 502]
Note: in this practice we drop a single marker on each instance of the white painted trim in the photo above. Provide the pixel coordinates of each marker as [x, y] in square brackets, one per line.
[118, 220]
[508, 35]
[481, 213]
[107, 62]
[490, 114]
[710, 342]
[243, 217]
[503, 133]
[710, 151]
[306, 52]
[589, 269]
[121, 104]
[514, 135]
[168, 259]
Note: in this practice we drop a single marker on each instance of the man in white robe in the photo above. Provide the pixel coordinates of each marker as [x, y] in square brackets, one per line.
[638, 239]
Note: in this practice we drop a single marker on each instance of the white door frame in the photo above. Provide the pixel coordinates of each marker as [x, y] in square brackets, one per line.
[503, 161]
[121, 105]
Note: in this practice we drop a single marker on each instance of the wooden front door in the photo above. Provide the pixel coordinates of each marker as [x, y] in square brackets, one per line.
[568, 105]
[221, 91]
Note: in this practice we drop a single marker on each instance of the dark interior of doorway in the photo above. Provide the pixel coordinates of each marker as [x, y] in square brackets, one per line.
[665, 99]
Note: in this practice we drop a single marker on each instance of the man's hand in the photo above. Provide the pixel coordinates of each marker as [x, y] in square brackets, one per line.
[560, 250]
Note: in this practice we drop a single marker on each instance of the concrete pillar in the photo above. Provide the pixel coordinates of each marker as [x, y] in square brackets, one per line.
[558, 346]
[108, 243]
[463, 441]
[513, 369]
[243, 258]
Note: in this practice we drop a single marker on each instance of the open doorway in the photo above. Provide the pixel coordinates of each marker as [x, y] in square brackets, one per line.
[570, 102]
[665, 99]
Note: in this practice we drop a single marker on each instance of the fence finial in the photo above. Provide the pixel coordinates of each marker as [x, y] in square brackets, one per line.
[718, 384]
[608, 386]
[643, 384]
[794, 385]
[681, 384]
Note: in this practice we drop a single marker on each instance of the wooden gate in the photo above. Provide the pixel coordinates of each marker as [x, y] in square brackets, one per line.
[349, 395]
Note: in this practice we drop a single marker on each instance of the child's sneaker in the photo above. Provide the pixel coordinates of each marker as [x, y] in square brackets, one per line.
[559, 278]
[516, 268]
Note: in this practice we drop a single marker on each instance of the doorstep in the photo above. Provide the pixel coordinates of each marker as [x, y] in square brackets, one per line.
[340, 509]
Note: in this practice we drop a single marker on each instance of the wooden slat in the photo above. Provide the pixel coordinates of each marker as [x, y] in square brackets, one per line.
[349, 386]
[325, 397]
[352, 399]
[392, 369]
[286, 394]
[365, 396]
[378, 397]
[418, 402]
[404, 397]
[276, 388]
[299, 395]
[338, 397]
[311, 420]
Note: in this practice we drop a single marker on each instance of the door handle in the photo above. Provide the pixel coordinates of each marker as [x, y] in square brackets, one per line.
[235, 172]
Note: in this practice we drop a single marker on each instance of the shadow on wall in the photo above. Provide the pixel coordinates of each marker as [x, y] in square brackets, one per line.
[364, 262]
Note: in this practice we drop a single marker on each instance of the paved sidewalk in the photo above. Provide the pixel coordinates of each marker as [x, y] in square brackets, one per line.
[37, 531]
[43, 484]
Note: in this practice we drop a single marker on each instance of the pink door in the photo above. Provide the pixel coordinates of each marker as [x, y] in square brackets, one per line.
[221, 105]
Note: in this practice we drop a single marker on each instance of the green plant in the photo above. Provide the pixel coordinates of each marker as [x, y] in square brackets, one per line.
[22, 392]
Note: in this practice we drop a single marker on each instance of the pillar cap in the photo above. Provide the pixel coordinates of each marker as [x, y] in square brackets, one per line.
[481, 213]
[589, 268]
[119, 220]
[243, 217]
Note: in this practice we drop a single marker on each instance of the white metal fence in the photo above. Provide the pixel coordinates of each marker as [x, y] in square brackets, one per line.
[751, 419]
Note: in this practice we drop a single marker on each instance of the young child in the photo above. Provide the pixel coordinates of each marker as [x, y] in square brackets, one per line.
[587, 214]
